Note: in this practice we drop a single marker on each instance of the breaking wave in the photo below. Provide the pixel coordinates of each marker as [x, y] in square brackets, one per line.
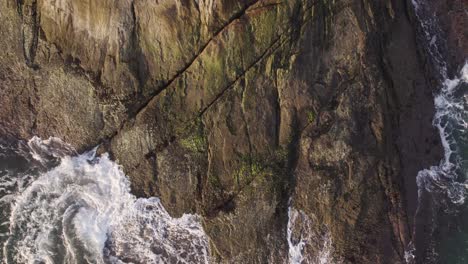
[446, 183]
[451, 105]
[81, 211]
[451, 120]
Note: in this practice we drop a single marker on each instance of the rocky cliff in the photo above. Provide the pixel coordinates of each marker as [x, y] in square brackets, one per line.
[232, 109]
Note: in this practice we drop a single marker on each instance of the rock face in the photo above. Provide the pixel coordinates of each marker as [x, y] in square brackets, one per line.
[451, 20]
[229, 109]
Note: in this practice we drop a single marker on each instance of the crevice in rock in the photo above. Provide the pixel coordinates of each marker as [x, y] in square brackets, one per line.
[137, 65]
[333, 103]
[29, 30]
[291, 162]
[32, 107]
[243, 89]
[271, 49]
[226, 206]
[233, 18]
[268, 5]
[133, 114]
[277, 111]
[152, 158]
[247, 133]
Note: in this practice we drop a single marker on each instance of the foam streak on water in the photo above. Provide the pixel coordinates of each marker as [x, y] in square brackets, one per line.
[82, 211]
[451, 116]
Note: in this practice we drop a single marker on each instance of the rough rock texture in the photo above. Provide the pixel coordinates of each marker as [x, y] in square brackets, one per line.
[229, 108]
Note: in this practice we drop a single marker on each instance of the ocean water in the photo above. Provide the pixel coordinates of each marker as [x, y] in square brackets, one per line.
[451, 233]
[445, 184]
[305, 244]
[59, 206]
[451, 119]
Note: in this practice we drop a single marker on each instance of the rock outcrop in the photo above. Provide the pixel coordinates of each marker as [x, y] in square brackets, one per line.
[229, 109]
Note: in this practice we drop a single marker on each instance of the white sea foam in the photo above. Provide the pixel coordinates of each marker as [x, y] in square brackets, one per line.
[296, 246]
[47, 149]
[409, 253]
[450, 119]
[82, 211]
[451, 115]
[306, 245]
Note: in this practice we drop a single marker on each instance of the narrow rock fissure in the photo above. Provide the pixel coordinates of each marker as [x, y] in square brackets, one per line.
[30, 30]
[235, 17]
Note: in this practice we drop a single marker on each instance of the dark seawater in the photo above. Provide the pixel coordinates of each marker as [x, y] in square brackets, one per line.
[452, 230]
[443, 188]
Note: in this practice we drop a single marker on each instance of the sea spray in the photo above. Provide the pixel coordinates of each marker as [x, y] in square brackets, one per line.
[306, 245]
[450, 118]
[295, 244]
[82, 211]
[444, 181]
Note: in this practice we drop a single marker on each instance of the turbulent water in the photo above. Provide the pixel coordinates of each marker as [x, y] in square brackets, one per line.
[451, 120]
[451, 117]
[445, 185]
[303, 241]
[61, 207]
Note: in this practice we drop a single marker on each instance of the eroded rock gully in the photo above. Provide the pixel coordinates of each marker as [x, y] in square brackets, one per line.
[230, 108]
